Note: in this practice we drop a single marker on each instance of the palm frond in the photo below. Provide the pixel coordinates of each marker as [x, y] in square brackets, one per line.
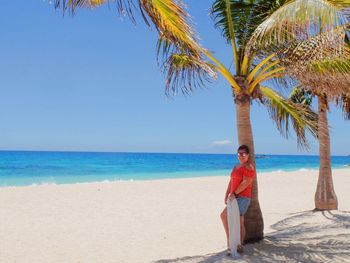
[329, 44]
[342, 5]
[283, 111]
[326, 77]
[240, 18]
[301, 96]
[72, 5]
[186, 72]
[296, 20]
[173, 23]
[281, 83]
[320, 63]
[227, 14]
[92, 3]
[331, 66]
[344, 103]
[183, 70]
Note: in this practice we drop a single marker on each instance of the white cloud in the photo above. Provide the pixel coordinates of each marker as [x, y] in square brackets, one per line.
[222, 142]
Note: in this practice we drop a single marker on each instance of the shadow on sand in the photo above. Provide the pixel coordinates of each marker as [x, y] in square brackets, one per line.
[310, 236]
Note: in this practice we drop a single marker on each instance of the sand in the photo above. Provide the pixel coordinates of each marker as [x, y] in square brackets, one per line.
[173, 220]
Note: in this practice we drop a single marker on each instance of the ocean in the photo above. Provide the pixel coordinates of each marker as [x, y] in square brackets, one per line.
[20, 168]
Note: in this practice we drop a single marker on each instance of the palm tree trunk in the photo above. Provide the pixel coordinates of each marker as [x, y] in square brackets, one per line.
[325, 197]
[253, 219]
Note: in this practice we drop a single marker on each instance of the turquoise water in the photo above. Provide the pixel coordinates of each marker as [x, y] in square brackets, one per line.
[19, 168]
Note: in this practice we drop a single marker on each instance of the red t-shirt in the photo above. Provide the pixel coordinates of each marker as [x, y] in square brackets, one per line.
[237, 175]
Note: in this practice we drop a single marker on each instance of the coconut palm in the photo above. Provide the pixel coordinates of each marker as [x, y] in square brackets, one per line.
[324, 71]
[338, 91]
[188, 65]
[240, 23]
[325, 197]
[300, 34]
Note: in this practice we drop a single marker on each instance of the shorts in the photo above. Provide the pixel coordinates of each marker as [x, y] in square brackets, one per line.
[243, 204]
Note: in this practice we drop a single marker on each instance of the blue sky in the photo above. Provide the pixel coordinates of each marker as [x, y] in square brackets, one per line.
[91, 83]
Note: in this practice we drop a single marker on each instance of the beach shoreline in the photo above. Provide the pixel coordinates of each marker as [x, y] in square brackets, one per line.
[187, 176]
[20, 168]
[164, 220]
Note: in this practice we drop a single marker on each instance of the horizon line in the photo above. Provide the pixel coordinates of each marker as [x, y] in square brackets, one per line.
[143, 152]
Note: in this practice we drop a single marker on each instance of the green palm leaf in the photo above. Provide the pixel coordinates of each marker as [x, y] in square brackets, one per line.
[283, 111]
[301, 96]
[331, 66]
[186, 72]
[239, 18]
[296, 20]
[172, 22]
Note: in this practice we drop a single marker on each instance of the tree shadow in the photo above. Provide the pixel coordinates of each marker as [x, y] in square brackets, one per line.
[309, 236]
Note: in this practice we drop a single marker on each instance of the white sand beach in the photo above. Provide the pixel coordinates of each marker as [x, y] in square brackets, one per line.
[169, 221]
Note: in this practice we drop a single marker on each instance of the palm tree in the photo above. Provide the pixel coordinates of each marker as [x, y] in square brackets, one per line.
[188, 65]
[325, 197]
[338, 92]
[325, 73]
[276, 39]
[238, 21]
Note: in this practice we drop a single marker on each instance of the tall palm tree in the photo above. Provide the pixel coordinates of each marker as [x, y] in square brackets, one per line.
[187, 64]
[325, 72]
[325, 197]
[239, 21]
[327, 90]
[338, 91]
[285, 33]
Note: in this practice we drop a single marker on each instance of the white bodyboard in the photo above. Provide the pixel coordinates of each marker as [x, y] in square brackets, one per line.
[234, 227]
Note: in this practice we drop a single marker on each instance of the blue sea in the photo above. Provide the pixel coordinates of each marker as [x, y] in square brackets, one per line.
[20, 168]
